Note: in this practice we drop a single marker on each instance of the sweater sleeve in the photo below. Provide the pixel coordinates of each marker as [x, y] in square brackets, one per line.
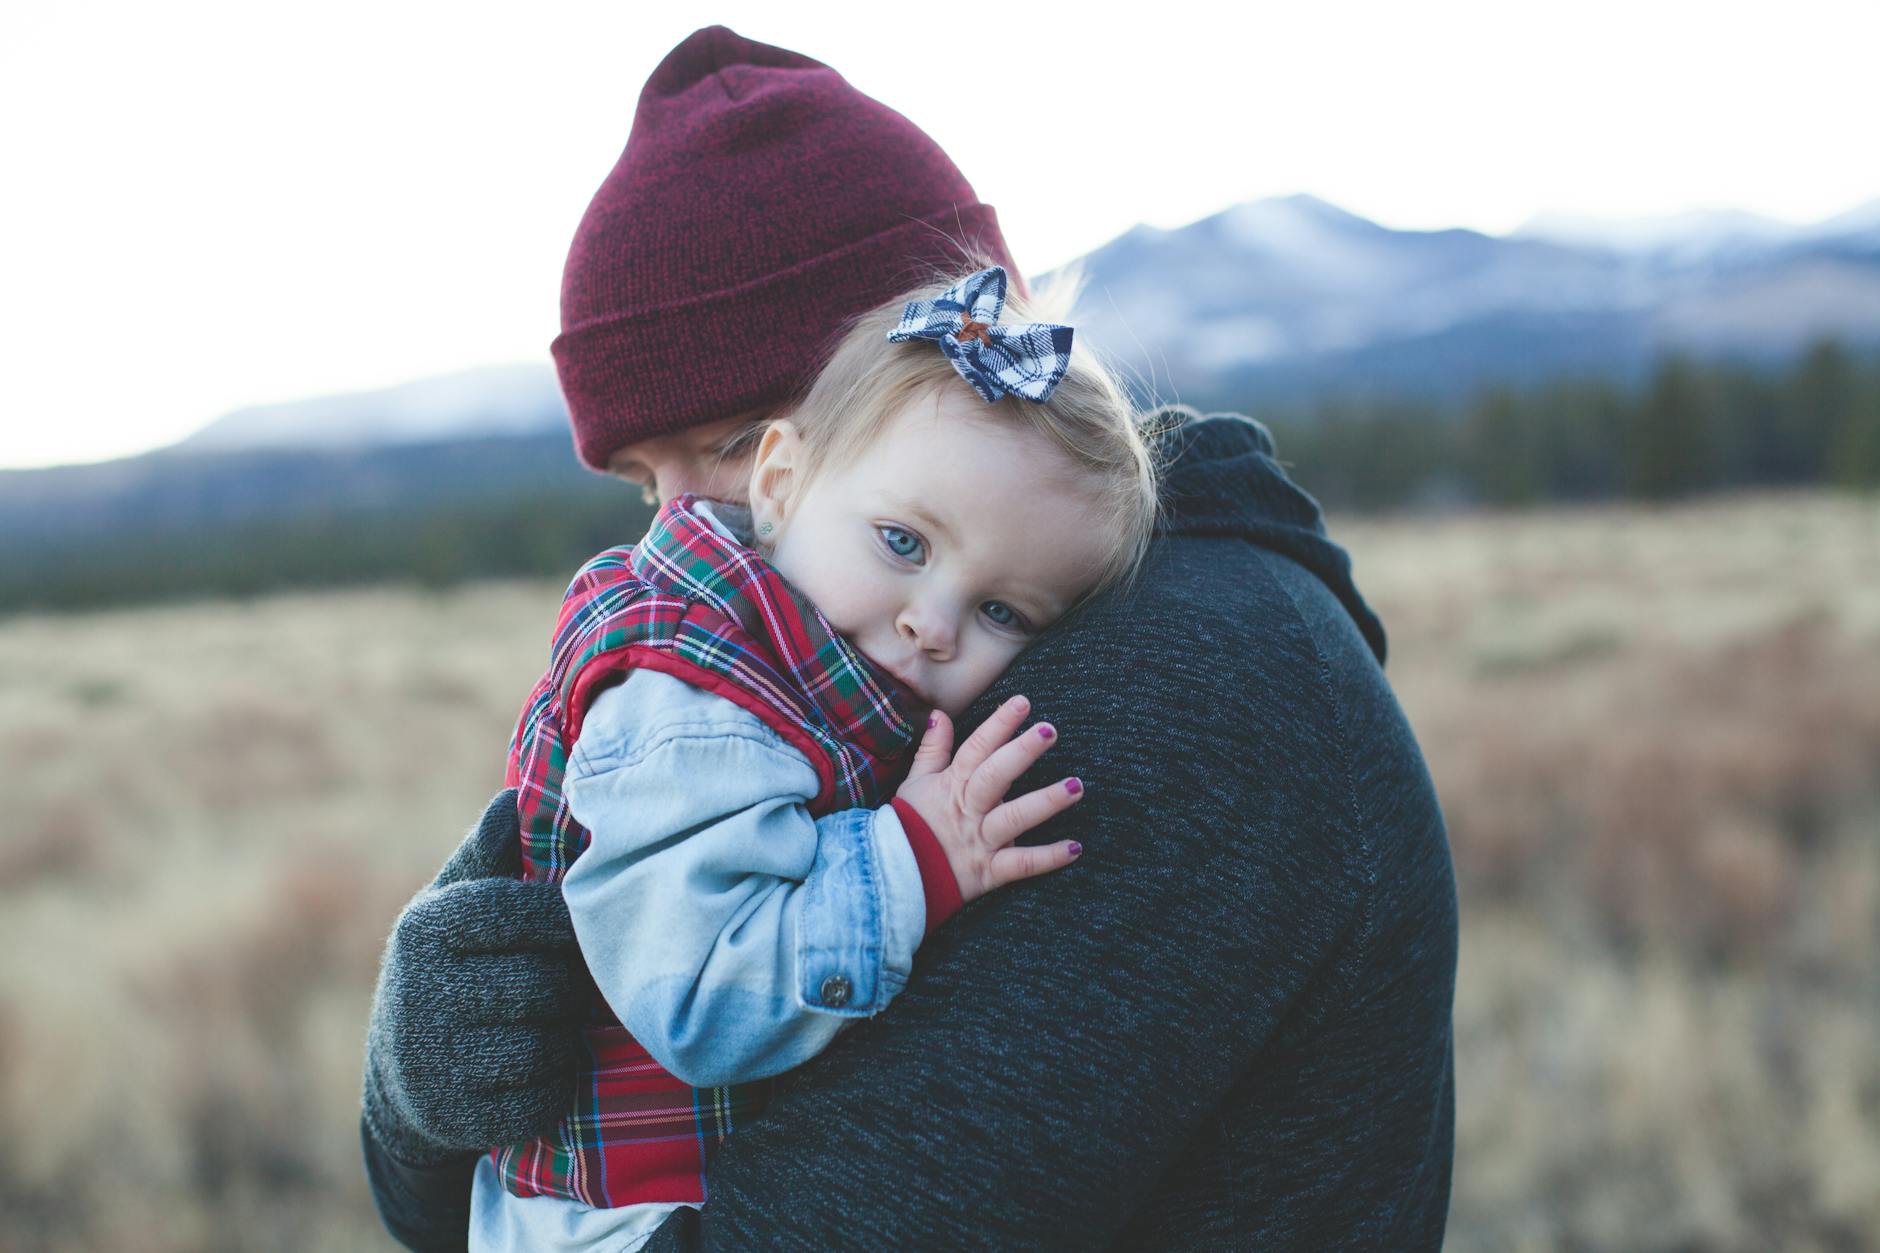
[733, 933]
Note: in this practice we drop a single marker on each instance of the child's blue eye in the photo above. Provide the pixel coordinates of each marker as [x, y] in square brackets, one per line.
[1003, 615]
[902, 542]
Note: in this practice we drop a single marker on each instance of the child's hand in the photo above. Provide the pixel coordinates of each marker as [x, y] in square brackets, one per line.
[961, 801]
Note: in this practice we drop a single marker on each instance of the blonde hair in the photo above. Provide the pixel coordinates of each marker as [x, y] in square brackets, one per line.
[1089, 416]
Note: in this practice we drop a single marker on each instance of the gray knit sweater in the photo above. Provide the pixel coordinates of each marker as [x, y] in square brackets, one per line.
[1226, 1026]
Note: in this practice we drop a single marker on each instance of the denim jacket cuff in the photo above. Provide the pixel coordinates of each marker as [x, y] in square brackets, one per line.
[863, 915]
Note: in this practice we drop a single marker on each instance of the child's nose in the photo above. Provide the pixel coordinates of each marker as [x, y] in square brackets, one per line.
[929, 629]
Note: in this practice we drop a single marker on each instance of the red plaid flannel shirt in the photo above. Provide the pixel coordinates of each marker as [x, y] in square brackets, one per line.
[688, 602]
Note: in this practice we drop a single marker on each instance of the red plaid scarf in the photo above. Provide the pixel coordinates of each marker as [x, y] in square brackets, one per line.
[687, 602]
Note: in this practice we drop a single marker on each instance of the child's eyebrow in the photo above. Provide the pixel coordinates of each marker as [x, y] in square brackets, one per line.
[928, 521]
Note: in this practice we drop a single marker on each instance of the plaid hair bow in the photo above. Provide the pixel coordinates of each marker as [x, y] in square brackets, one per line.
[1026, 360]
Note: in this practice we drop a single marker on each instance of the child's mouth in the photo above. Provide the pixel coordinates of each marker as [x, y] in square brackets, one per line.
[908, 686]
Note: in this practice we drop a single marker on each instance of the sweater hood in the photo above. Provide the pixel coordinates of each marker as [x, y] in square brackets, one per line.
[1220, 479]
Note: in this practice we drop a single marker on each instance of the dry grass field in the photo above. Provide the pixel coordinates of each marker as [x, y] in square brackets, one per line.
[1656, 736]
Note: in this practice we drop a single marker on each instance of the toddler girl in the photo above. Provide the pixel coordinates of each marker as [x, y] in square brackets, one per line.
[729, 703]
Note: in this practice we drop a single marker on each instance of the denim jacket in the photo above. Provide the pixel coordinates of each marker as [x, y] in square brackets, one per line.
[714, 913]
[712, 909]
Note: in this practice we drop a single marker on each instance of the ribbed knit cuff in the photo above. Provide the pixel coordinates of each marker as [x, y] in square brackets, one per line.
[937, 883]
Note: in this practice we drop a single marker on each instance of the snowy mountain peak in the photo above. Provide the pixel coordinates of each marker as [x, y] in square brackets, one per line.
[492, 400]
[1692, 232]
[1281, 223]
[1860, 220]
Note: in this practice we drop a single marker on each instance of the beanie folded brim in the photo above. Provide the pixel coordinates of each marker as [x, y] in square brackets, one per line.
[659, 370]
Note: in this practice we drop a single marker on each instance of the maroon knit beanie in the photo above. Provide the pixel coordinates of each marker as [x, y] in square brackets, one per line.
[761, 202]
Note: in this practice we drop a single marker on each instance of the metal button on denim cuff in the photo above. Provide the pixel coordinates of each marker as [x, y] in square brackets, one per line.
[835, 991]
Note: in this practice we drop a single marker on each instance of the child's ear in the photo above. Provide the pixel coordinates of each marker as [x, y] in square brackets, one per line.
[776, 473]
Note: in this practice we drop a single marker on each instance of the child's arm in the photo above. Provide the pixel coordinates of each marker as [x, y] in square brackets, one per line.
[733, 933]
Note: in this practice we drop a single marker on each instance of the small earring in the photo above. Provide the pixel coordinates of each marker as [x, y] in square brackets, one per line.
[765, 530]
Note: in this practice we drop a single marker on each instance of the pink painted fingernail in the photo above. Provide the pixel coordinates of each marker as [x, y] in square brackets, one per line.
[1073, 786]
[1076, 848]
[933, 720]
[1046, 730]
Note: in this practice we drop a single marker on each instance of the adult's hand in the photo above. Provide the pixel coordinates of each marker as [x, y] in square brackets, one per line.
[476, 1019]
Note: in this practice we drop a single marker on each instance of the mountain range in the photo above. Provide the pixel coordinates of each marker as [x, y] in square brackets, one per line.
[1295, 299]
[1279, 301]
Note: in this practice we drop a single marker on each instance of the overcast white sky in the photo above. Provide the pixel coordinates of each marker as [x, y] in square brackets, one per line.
[214, 205]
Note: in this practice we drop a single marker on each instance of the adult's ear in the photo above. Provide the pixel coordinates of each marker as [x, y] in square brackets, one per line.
[776, 476]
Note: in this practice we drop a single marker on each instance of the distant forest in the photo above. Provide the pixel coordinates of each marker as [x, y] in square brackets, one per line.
[1690, 428]
[435, 546]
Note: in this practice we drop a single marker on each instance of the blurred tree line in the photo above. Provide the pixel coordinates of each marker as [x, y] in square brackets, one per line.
[539, 532]
[157, 530]
[1692, 427]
